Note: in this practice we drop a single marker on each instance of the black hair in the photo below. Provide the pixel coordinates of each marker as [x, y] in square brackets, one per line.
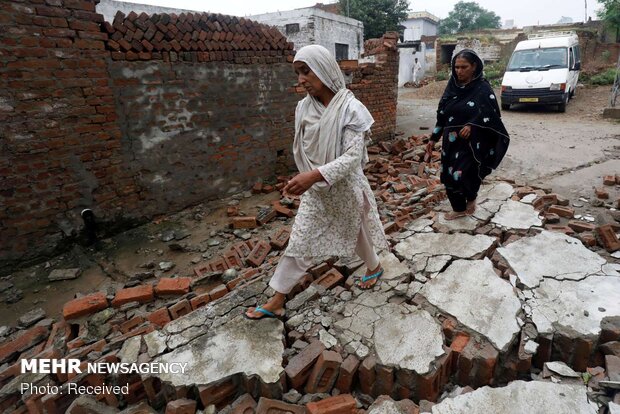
[468, 56]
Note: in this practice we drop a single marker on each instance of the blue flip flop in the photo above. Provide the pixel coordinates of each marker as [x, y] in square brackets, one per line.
[369, 277]
[268, 314]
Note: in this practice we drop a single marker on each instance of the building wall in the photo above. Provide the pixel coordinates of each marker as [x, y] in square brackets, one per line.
[143, 115]
[318, 27]
[416, 28]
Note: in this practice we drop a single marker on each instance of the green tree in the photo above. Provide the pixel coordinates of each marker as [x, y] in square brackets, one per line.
[468, 16]
[610, 14]
[378, 16]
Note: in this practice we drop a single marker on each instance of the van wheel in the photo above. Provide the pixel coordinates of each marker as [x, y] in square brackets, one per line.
[562, 106]
[505, 107]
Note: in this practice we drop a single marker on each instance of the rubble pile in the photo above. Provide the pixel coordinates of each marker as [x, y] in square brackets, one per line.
[522, 297]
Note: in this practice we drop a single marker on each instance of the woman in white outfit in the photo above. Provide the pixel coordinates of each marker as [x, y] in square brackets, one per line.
[338, 213]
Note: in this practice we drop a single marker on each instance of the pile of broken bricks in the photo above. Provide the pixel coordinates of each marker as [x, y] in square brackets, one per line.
[410, 342]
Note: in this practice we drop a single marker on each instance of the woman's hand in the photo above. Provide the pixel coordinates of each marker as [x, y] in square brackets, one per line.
[301, 182]
[465, 132]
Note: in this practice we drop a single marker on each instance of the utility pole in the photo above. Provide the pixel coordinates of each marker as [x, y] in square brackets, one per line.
[585, 20]
[348, 8]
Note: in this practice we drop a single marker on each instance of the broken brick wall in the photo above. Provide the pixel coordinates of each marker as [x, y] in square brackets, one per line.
[144, 115]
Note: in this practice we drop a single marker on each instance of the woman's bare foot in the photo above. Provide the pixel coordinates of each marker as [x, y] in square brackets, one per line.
[275, 305]
[369, 283]
[453, 215]
[471, 207]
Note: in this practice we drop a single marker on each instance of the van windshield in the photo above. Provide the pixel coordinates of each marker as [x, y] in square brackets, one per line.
[538, 59]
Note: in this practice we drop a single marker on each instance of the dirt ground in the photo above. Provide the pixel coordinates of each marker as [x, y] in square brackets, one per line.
[569, 152]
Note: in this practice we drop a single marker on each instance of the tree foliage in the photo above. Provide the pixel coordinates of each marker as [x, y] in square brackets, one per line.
[610, 14]
[378, 16]
[469, 16]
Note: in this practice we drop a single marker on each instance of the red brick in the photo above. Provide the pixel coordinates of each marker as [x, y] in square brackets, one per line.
[180, 308]
[299, 367]
[608, 238]
[200, 300]
[266, 215]
[324, 374]
[257, 188]
[580, 226]
[560, 228]
[142, 294]
[246, 222]
[366, 374]
[244, 405]
[282, 210]
[219, 394]
[131, 324]
[541, 202]
[85, 306]
[172, 286]
[160, 317]
[347, 374]
[601, 193]
[280, 239]
[340, 404]
[384, 383]
[242, 249]
[218, 292]
[269, 406]
[232, 211]
[232, 259]
[181, 406]
[329, 279]
[23, 341]
[258, 254]
[561, 211]
[609, 180]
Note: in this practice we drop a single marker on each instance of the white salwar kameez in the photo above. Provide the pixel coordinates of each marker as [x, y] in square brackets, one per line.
[336, 217]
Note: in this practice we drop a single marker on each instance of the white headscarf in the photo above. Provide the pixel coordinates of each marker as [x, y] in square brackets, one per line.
[318, 129]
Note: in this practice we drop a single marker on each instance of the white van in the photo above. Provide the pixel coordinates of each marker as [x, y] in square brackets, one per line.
[543, 70]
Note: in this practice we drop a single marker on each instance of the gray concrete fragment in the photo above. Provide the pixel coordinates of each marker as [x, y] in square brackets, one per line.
[393, 268]
[535, 397]
[579, 306]
[238, 346]
[434, 244]
[64, 274]
[410, 341]
[495, 191]
[516, 215]
[561, 368]
[466, 223]
[130, 350]
[478, 298]
[550, 255]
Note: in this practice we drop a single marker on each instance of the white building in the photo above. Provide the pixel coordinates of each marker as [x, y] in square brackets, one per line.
[418, 24]
[341, 35]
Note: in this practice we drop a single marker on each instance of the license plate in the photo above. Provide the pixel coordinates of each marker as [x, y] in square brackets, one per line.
[528, 99]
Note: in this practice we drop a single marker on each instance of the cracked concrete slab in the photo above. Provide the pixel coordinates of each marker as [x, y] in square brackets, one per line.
[576, 306]
[459, 245]
[495, 191]
[238, 346]
[410, 341]
[466, 223]
[472, 292]
[393, 268]
[516, 215]
[550, 255]
[535, 397]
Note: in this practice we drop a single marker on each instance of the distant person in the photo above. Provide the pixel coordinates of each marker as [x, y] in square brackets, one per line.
[338, 214]
[474, 139]
[417, 71]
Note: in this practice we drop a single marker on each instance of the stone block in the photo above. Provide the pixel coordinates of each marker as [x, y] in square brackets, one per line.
[85, 305]
[324, 374]
[299, 367]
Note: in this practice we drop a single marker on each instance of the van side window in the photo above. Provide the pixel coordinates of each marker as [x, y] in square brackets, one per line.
[577, 54]
[571, 58]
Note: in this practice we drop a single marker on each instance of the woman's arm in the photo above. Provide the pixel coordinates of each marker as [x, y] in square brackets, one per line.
[353, 151]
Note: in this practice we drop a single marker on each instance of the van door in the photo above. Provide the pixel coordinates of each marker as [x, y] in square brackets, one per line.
[573, 69]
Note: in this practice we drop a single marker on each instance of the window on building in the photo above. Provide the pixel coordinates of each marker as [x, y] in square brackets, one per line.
[292, 28]
[342, 51]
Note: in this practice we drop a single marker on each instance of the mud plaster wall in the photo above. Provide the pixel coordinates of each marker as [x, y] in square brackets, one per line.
[132, 128]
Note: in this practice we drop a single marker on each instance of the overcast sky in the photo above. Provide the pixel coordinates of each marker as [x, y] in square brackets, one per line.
[523, 12]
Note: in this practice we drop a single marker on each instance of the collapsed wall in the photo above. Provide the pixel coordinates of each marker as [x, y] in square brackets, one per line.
[144, 115]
